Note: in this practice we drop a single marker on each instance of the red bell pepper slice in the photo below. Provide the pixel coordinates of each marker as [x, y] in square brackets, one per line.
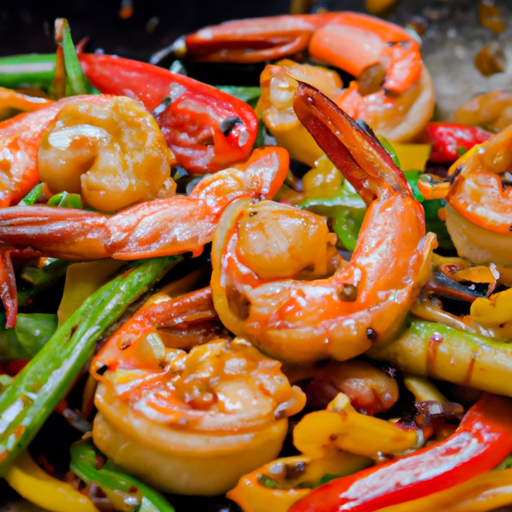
[451, 140]
[207, 129]
[482, 441]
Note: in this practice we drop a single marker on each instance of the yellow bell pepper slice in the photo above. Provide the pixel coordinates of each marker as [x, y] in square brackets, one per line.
[496, 310]
[423, 389]
[252, 495]
[340, 425]
[412, 156]
[37, 486]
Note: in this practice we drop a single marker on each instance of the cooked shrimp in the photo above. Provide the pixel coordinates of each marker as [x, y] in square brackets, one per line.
[193, 423]
[479, 209]
[178, 323]
[351, 41]
[492, 111]
[369, 389]
[10, 99]
[155, 228]
[339, 316]
[188, 423]
[398, 117]
[112, 152]
[108, 148]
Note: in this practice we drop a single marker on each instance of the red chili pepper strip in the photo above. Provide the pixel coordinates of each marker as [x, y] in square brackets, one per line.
[450, 140]
[482, 441]
[207, 129]
[8, 293]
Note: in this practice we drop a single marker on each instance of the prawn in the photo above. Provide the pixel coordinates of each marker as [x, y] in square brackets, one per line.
[340, 316]
[392, 92]
[397, 117]
[160, 227]
[106, 147]
[191, 423]
[354, 42]
[169, 226]
[479, 202]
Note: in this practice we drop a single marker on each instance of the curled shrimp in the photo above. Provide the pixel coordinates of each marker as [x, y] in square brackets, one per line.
[155, 228]
[107, 148]
[354, 42]
[191, 423]
[399, 117]
[393, 91]
[340, 316]
[10, 99]
[492, 111]
[479, 203]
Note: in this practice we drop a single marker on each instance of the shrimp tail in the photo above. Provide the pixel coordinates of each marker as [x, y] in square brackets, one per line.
[61, 232]
[358, 155]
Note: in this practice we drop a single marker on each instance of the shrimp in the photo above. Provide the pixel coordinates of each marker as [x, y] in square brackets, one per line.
[155, 228]
[492, 111]
[370, 390]
[108, 148]
[393, 91]
[190, 423]
[354, 42]
[339, 316]
[479, 202]
[10, 99]
[397, 117]
[178, 324]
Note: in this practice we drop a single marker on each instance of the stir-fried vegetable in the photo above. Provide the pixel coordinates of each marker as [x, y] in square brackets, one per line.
[123, 491]
[154, 164]
[35, 392]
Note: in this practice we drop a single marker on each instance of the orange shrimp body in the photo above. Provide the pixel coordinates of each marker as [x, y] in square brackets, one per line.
[399, 118]
[351, 41]
[155, 228]
[479, 209]
[106, 147]
[191, 423]
[340, 316]
[19, 144]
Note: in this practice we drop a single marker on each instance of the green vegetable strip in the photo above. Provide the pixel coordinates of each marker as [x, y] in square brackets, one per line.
[113, 482]
[33, 195]
[441, 352]
[66, 200]
[31, 333]
[41, 271]
[76, 81]
[39, 387]
[250, 95]
[33, 69]
[390, 149]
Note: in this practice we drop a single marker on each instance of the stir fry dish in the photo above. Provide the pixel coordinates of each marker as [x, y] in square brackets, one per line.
[290, 296]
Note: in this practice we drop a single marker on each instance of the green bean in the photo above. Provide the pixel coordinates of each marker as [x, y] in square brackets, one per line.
[34, 69]
[39, 387]
[116, 485]
[436, 350]
[76, 81]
